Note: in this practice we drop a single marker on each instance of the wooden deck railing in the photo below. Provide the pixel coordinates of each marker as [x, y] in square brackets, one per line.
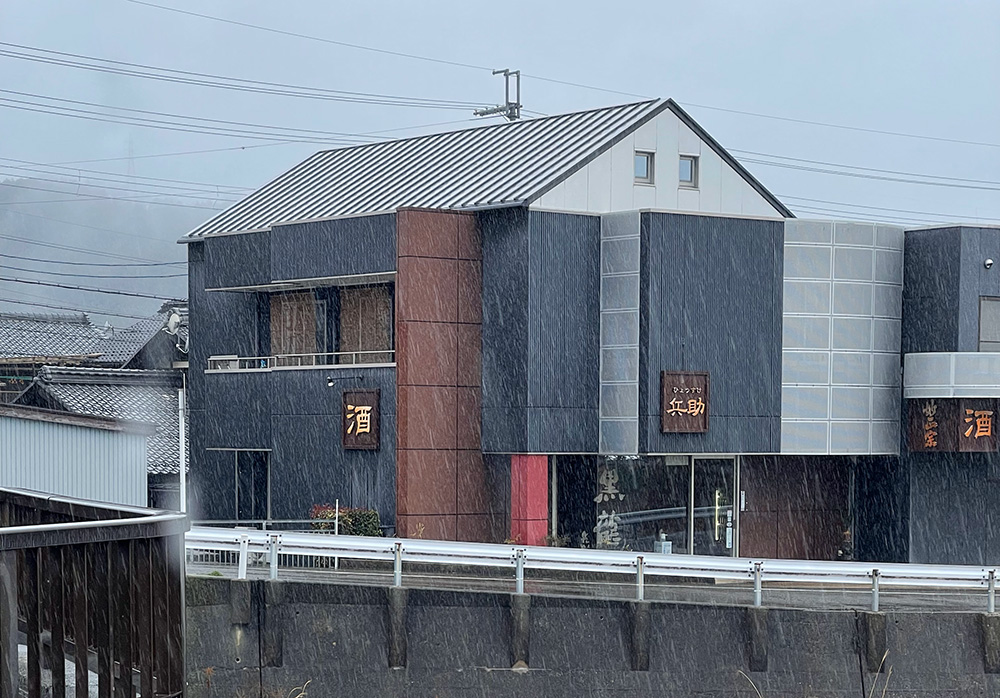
[99, 585]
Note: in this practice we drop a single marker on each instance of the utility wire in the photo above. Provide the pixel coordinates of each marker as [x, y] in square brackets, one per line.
[93, 276]
[866, 169]
[90, 264]
[841, 173]
[73, 310]
[82, 225]
[90, 289]
[759, 115]
[70, 248]
[91, 197]
[950, 216]
[127, 178]
[220, 196]
[186, 77]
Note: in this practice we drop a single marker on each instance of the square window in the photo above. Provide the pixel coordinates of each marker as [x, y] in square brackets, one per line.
[643, 167]
[688, 174]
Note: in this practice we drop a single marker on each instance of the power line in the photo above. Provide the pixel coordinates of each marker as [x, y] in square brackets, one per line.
[90, 264]
[116, 177]
[827, 124]
[150, 191]
[951, 216]
[93, 276]
[71, 248]
[869, 216]
[866, 169]
[72, 310]
[90, 197]
[312, 38]
[79, 225]
[186, 77]
[841, 173]
[90, 289]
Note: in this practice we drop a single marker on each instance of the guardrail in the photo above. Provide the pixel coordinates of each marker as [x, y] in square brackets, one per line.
[273, 546]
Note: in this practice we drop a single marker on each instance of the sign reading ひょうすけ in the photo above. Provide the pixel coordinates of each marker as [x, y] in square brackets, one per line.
[684, 401]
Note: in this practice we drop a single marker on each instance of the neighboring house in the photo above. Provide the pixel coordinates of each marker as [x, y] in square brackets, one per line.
[73, 455]
[597, 327]
[29, 341]
[145, 396]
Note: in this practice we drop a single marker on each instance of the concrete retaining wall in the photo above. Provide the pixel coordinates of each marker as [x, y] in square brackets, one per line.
[257, 639]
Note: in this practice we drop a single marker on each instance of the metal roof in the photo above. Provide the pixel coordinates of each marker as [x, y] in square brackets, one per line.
[132, 395]
[501, 164]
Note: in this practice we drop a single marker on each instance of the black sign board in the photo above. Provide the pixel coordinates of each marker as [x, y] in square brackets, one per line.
[359, 426]
[684, 402]
[947, 425]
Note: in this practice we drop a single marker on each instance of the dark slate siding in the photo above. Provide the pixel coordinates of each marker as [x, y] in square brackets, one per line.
[237, 260]
[361, 245]
[541, 317]
[505, 330]
[710, 300]
[564, 332]
[931, 273]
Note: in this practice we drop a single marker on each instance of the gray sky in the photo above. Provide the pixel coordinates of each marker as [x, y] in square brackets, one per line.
[918, 67]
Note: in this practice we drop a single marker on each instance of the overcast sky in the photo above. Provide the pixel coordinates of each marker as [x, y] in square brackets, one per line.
[920, 67]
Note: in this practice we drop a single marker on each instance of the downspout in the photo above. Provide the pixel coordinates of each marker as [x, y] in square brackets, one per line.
[182, 442]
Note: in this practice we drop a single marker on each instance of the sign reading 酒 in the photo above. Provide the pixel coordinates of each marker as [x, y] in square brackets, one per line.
[360, 422]
[940, 425]
[684, 402]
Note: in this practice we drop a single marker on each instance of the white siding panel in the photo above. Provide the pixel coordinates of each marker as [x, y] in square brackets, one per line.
[622, 174]
[645, 136]
[74, 461]
[688, 200]
[599, 184]
[710, 182]
[688, 142]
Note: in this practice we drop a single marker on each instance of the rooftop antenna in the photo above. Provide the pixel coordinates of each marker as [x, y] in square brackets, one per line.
[509, 110]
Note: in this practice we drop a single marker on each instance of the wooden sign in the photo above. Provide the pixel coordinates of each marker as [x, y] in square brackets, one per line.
[943, 425]
[684, 402]
[359, 430]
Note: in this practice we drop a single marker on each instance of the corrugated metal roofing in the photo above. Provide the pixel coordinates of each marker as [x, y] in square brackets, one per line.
[495, 165]
[134, 395]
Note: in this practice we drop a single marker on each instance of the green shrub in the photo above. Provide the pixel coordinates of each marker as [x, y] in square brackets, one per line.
[354, 521]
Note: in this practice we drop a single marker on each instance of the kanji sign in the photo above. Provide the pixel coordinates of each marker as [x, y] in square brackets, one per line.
[943, 425]
[684, 402]
[360, 420]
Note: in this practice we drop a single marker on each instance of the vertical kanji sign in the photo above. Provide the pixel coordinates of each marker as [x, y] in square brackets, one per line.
[360, 420]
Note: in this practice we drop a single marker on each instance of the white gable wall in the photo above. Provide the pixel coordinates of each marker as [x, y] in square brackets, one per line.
[608, 183]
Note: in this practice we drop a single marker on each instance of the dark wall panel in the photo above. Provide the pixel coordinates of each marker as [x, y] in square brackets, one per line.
[931, 272]
[361, 245]
[564, 332]
[505, 235]
[237, 260]
[710, 300]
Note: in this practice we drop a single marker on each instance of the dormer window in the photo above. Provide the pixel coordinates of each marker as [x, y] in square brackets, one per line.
[643, 167]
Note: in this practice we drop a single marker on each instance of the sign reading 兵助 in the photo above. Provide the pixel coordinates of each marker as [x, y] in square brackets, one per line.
[360, 420]
[684, 402]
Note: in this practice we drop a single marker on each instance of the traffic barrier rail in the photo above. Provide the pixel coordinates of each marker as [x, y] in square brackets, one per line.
[246, 547]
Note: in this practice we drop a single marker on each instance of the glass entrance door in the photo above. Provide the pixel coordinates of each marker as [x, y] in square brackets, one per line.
[713, 485]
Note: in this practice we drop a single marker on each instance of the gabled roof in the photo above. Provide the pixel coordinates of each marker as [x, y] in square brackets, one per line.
[498, 165]
[36, 335]
[131, 395]
[120, 347]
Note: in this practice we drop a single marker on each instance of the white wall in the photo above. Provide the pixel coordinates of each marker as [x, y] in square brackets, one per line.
[608, 183]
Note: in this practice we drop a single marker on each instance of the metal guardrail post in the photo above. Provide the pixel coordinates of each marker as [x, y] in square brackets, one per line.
[519, 571]
[875, 575]
[640, 582]
[272, 550]
[397, 566]
[244, 554]
[991, 593]
[758, 590]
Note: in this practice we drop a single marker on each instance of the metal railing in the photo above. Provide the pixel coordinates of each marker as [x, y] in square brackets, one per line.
[276, 550]
[95, 587]
[325, 359]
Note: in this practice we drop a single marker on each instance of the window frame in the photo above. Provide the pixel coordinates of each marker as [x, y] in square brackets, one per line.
[650, 157]
[693, 182]
[983, 300]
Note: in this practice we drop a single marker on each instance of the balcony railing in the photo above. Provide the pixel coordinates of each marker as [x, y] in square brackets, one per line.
[95, 586]
[377, 357]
